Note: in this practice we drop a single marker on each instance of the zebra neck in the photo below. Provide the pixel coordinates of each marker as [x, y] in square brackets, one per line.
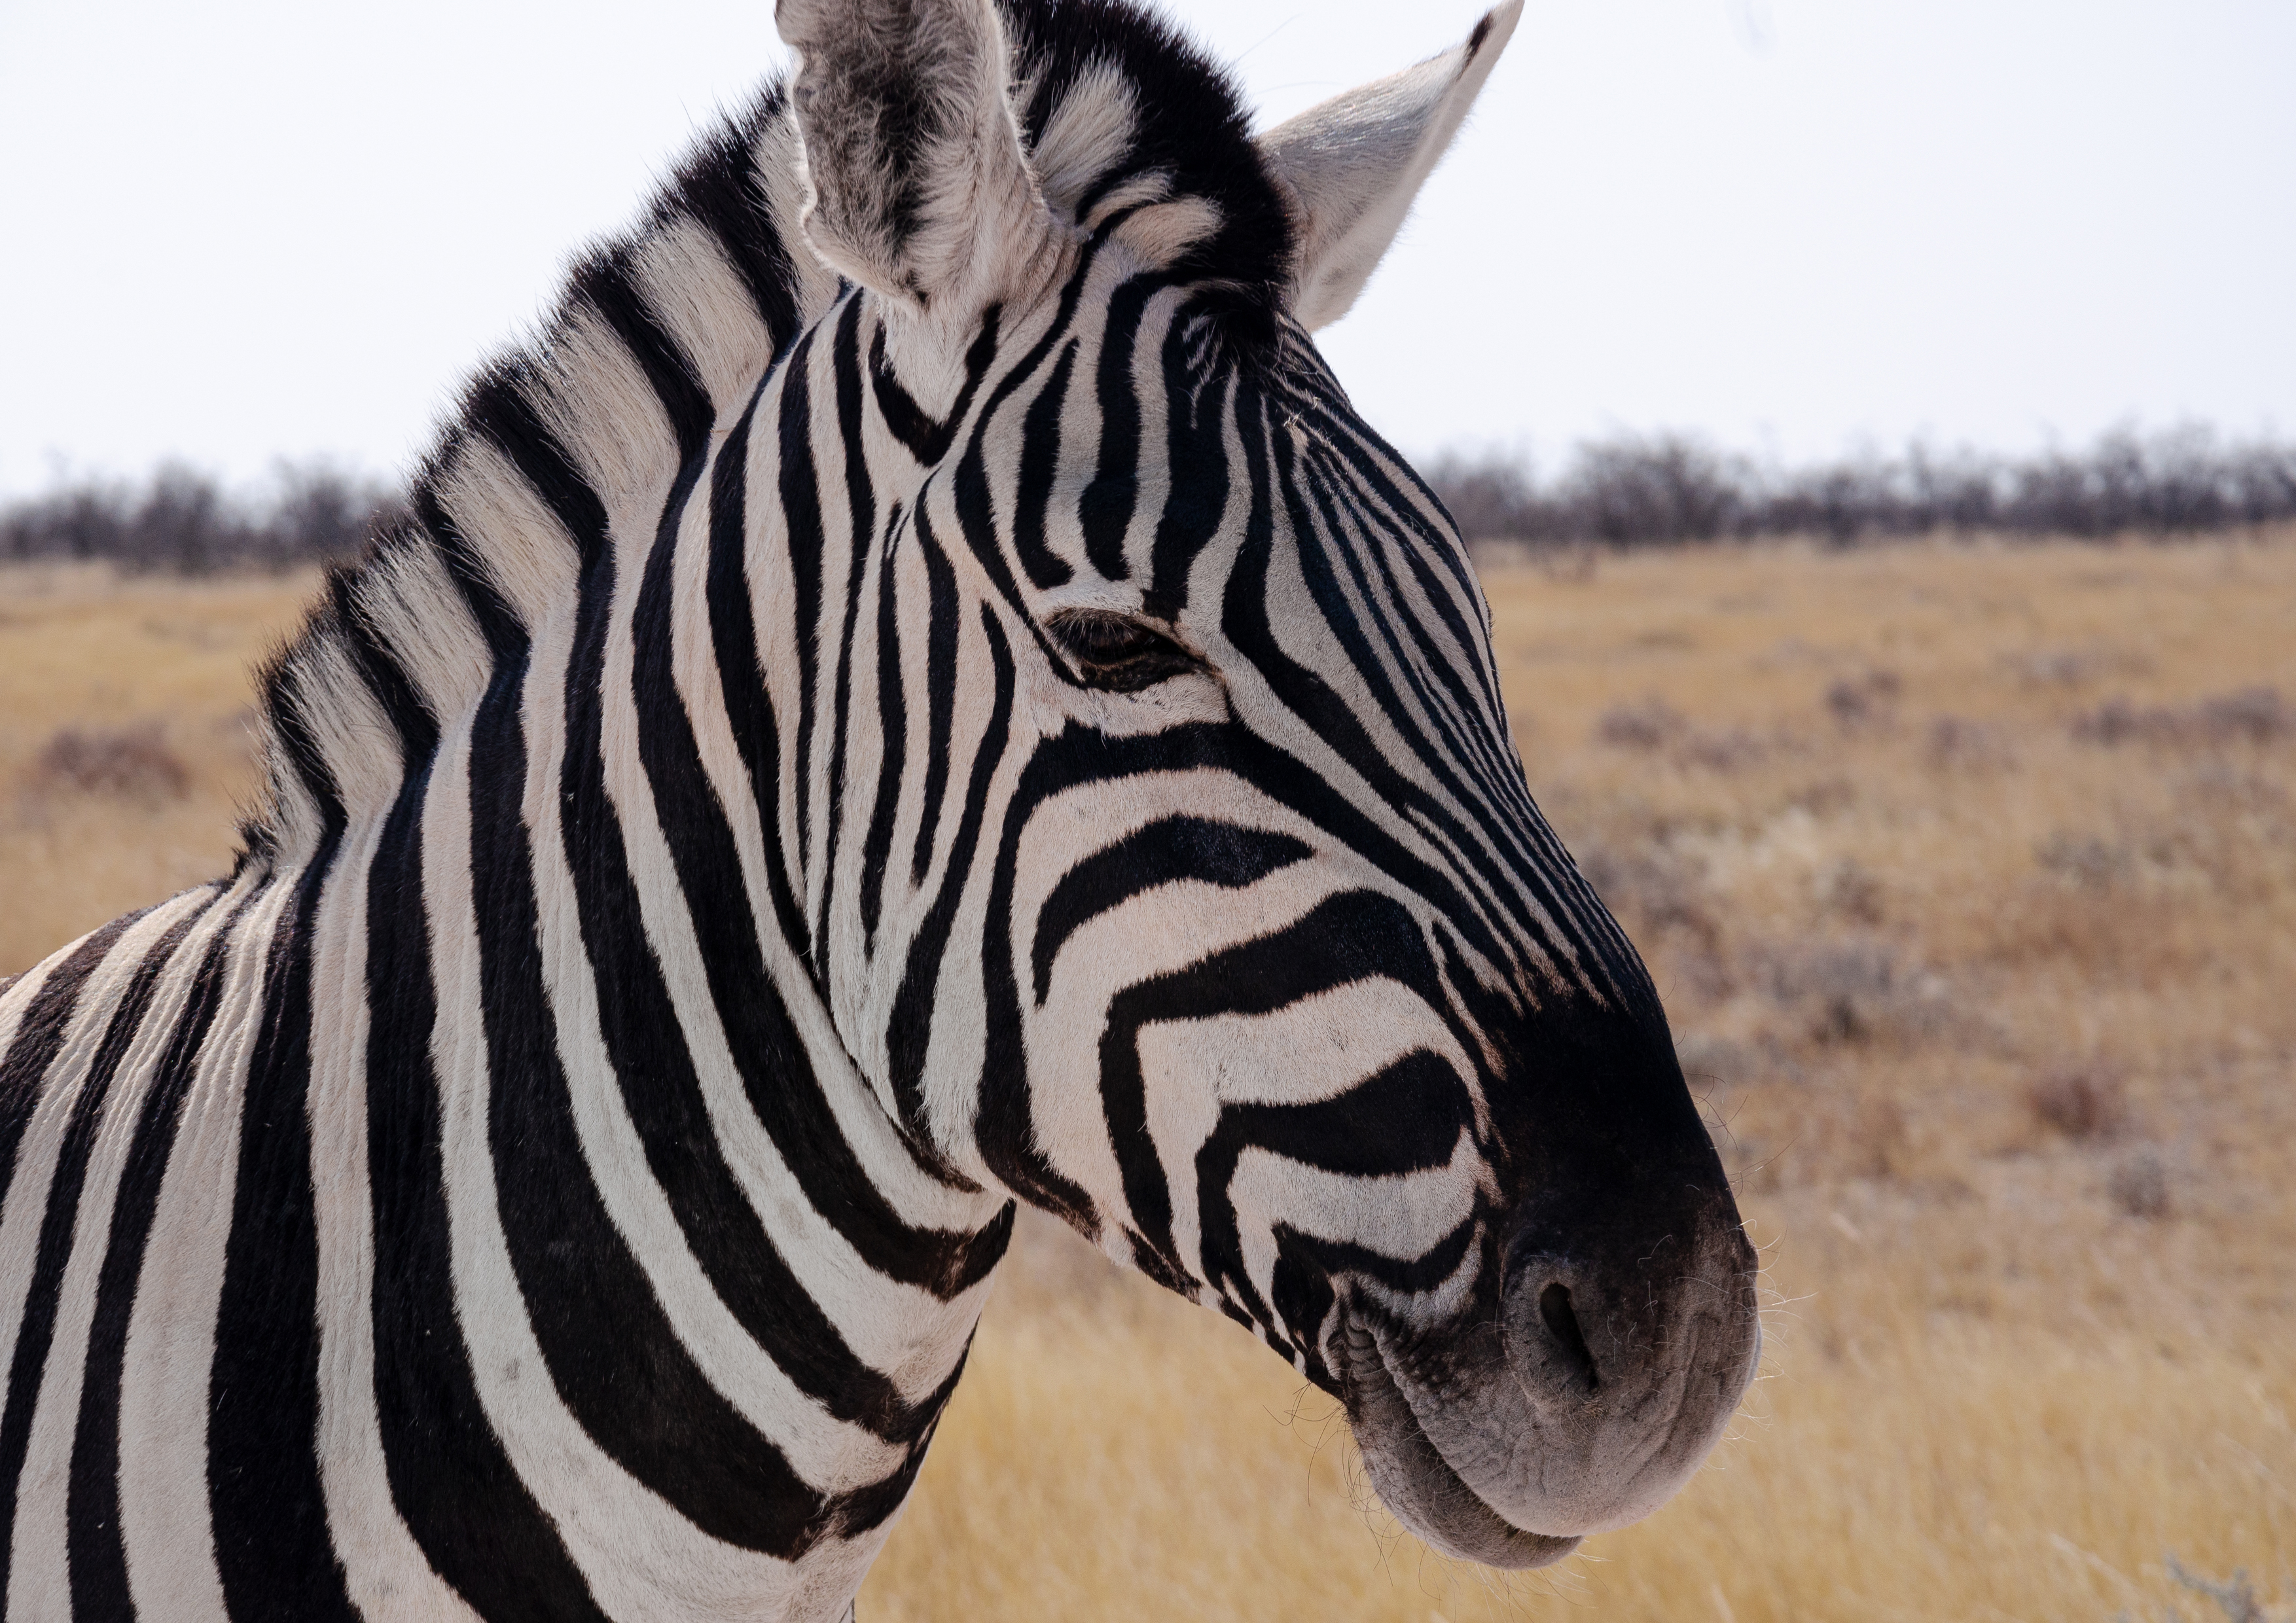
[558, 730]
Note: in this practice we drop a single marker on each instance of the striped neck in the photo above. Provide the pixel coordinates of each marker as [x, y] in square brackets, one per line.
[561, 731]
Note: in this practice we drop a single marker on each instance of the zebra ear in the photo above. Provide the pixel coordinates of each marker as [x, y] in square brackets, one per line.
[916, 183]
[1351, 166]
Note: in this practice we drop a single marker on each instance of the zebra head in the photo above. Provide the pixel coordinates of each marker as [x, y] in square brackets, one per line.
[1285, 994]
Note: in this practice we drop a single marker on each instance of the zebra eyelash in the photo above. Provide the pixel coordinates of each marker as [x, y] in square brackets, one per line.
[1118, 654]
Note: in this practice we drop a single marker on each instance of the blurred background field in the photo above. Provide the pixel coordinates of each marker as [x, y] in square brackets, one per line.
[1968, 872]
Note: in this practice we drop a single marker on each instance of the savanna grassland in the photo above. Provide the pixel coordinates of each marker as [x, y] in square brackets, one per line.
[1969, 876]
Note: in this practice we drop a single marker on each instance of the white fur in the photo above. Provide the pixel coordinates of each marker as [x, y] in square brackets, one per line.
[637, 1555]
[43, 1139]
[38, 1582]
[384, 1568]
[1353, 165]
[1087, 135]
[355, 740]
[598, 400]
[707, 312]
[1403, 1216]
[920, 1199]
[164, 1505]
[779, 158]
[412, 600]
[980, 231]
[528, 556]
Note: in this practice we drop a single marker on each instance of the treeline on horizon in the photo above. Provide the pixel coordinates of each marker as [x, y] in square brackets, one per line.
[1629, 491]
[183, 521]
[1674, 490]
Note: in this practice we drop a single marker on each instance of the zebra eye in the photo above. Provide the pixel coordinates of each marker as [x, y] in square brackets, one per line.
[1118, 652]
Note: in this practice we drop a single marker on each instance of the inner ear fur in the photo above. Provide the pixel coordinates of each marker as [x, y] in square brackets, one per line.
[917, 186]
[1350, 167]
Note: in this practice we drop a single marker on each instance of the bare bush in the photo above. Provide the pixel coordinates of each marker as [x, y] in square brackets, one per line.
[1666, 489]
[1671, 488]
[2253, 715]
[1850, 993]
[1859, 700]
[2249, 714]
[2072, 666]
[2138, 1186]
[1722, 748]
[1957, 743]
[184, 522]
[2086, 862]
[1652, 725]
[2117, 721]
[131, 763]
[2085, 1102]
[1645, 724]
[1848, 888]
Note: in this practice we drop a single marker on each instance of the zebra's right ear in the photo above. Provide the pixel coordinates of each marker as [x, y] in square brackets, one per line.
[1352, 166]
[917, 186]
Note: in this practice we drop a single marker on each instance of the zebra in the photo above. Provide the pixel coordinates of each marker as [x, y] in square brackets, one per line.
[915, 692]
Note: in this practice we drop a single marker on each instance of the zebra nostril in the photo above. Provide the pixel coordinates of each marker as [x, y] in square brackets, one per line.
[1562, 1324]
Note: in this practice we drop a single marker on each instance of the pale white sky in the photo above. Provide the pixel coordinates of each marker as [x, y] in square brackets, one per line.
[253, 227]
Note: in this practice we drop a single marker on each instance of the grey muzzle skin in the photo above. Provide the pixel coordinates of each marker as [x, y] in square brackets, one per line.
[1624, 1333]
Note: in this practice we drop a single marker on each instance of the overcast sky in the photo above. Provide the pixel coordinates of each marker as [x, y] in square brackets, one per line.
[249, 229]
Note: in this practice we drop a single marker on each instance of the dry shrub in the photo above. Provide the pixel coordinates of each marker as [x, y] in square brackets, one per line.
[128, 763]
[1722, 748]
[2218, 789]
[2070, 667]
[2085, 1102]
[1848, 888]
[1856, 701]
[2085, 861]
[2117, 721]
[2139, 1185]
[2254, 714]
[1647, 724]
[1851, 993]
[1652, 725]
[1652, 887]
[1957, 743]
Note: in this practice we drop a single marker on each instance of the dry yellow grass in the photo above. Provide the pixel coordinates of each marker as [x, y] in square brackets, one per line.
[82, 649]
[1995, 1021]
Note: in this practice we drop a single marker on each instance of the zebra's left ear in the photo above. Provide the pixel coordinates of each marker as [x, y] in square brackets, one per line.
[1351, 166]
[917, 186]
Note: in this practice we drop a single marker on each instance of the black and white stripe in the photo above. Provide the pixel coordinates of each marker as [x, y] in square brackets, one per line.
[834, 751]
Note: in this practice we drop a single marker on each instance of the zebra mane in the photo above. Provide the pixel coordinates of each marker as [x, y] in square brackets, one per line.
[660, 334]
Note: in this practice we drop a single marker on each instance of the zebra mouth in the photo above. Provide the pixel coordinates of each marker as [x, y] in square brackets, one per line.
[1413, 1480]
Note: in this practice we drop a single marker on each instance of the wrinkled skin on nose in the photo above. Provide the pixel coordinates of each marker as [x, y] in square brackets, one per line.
[1614, 1337]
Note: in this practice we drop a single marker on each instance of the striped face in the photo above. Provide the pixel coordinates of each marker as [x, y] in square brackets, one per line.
[1270, 923]
[1192, 888]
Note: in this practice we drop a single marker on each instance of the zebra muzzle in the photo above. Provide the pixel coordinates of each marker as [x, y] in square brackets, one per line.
[1603, 1381]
